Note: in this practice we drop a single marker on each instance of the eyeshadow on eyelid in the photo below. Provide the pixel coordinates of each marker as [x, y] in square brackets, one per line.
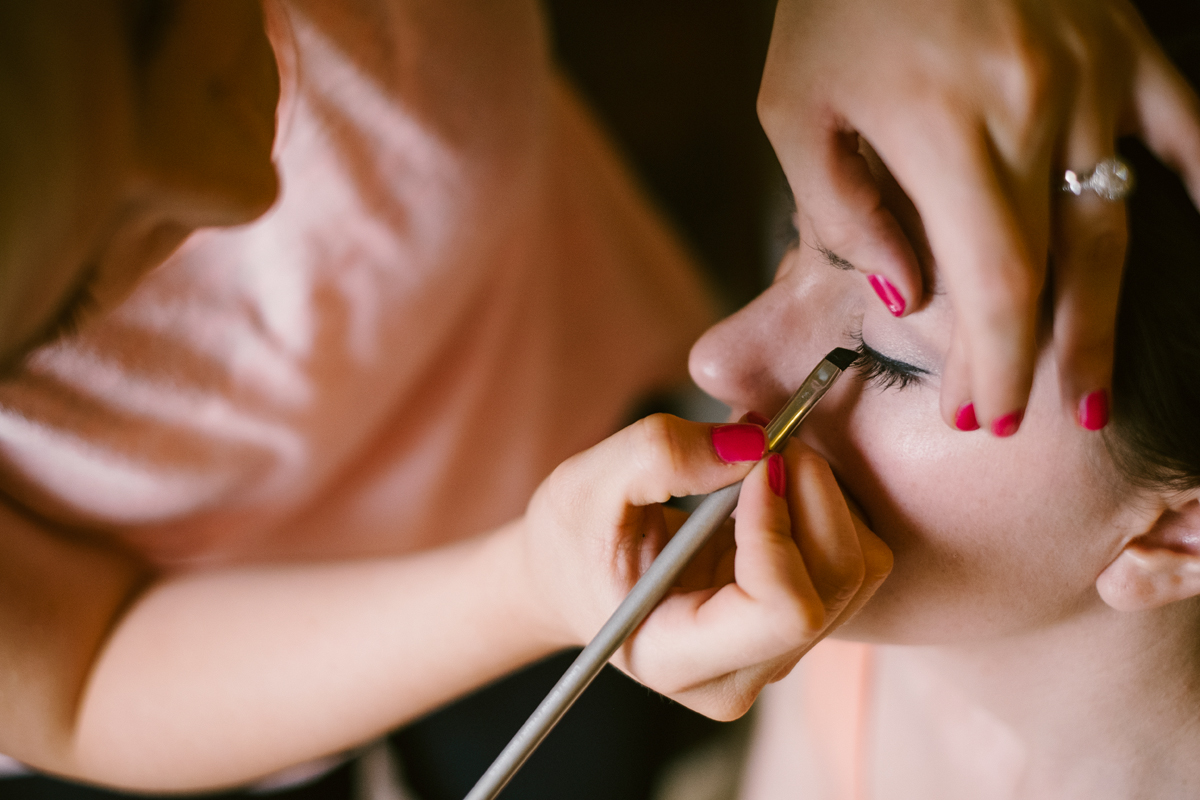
[915, 370]
[893, 362]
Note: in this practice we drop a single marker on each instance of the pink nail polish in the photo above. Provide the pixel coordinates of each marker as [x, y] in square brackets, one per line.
[777, 474]
[1093, 410]
[888, 294]
[739, 442]
[1008, 424]
[756, 418]
[965, 419]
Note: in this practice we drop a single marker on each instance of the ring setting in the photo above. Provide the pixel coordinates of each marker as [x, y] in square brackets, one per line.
[1111, 179]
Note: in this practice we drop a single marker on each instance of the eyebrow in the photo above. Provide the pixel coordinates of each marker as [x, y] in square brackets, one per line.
[837, 262]
[833, 259]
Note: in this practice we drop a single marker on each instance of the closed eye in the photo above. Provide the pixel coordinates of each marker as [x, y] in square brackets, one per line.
[882, 372]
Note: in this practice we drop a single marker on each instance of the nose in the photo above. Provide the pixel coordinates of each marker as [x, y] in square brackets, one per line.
[755, 359]
[206, 117]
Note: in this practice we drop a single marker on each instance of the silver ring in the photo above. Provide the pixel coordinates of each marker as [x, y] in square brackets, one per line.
[1112, 179]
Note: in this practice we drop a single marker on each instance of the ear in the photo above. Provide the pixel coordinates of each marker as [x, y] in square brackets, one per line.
[1160, 566]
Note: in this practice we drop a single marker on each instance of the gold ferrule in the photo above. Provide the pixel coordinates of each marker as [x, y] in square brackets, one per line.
[793, 413]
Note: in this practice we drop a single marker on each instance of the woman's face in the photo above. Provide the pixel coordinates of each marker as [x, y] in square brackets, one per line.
[991, 536]
[124, 125]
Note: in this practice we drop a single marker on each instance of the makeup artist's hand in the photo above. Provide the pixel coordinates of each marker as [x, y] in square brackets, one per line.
[977, 108]
[764, 591]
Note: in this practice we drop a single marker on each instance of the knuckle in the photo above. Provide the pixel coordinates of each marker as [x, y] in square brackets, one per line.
[768, 103]
[718, 709]
[1102, 49]
[657, 444]
[809, 465]
[837, 229]
[857, 213]
[1085, 49]
[729, 699]
[730, 711]
[1037, 80]
[795, 622]
[880, 561]
[809, 459]
[1030, 76]
[847, 578]
[562, 496]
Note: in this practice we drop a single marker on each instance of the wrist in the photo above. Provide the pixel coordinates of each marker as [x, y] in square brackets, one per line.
[525, 606]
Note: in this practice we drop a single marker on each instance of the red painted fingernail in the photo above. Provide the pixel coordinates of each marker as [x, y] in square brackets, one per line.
[739, 442]
[888, 294]
[776, 474]
[756, 418]
[1008, 424]
[965, 419]
[1093, 410]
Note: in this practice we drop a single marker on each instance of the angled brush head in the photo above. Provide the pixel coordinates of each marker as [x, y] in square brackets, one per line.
[841, 358]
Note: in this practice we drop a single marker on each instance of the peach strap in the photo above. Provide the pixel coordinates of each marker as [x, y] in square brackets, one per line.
[838, 688]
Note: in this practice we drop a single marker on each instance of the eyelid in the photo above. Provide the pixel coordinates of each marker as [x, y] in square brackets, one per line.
[882, 371]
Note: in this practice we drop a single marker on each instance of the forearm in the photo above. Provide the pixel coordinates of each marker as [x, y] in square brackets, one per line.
[218, 677]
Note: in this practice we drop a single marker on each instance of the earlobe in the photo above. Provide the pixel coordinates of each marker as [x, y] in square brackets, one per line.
[1159, 567]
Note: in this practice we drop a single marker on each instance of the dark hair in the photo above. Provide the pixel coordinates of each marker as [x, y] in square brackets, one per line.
[1154, 437]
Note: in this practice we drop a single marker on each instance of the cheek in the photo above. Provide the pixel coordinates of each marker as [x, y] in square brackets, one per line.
[990, 536]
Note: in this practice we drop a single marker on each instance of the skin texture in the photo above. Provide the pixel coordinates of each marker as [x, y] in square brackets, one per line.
[1053, 608]
[977, 109]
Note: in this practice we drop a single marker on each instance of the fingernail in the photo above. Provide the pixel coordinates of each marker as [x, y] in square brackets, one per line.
[739, 442]
[888, 294]
[776, 474]
[965, 419]
[1008, 424]
[1093, 410]
[756, 418]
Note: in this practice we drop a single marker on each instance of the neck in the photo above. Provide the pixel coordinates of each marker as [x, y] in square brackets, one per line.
[1103, 705]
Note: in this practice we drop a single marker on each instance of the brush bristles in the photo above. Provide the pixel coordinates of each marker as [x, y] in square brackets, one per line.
[842, 358]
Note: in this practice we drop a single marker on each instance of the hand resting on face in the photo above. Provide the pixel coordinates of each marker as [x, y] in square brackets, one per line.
[978, 109]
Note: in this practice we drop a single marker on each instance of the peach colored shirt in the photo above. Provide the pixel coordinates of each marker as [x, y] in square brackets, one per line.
[458, 287]
[811, 729]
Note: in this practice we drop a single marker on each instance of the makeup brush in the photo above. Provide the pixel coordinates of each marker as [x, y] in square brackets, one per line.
[709, 516]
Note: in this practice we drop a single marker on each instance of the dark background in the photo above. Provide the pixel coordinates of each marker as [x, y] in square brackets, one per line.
[675, 84]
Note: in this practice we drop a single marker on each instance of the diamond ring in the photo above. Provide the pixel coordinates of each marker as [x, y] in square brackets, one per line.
[1112, 179]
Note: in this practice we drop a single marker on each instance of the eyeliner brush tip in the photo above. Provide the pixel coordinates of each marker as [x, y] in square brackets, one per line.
[842, 358]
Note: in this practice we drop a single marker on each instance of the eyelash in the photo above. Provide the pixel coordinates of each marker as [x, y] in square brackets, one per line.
[878, 372]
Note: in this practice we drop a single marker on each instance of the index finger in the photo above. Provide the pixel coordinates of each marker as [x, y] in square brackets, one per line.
[992, 271]
[660, 457]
